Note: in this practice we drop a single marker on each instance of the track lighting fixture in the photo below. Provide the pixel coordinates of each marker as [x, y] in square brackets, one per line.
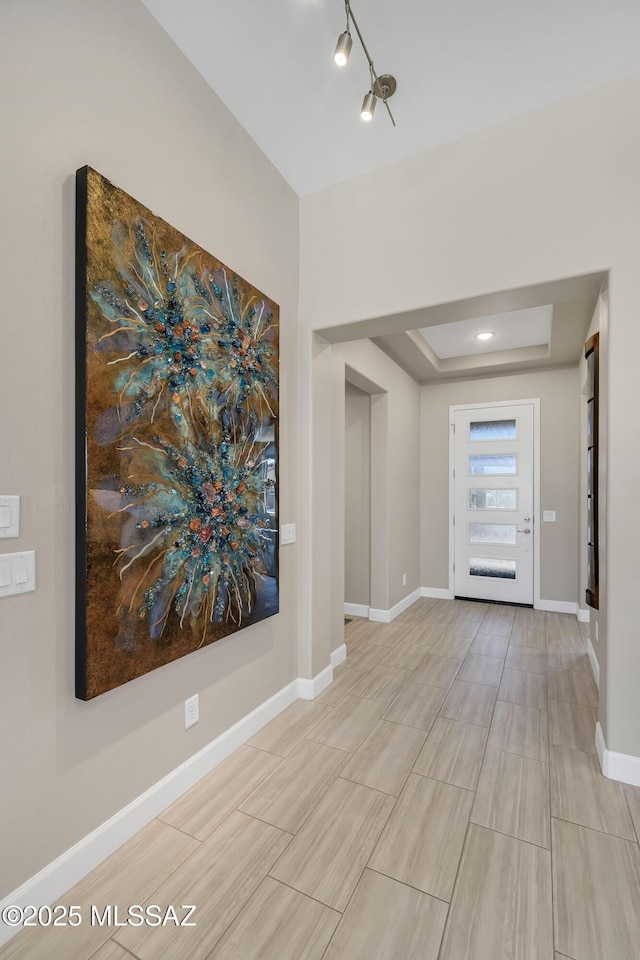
[343, 49]
[368, 106]
[381, 87]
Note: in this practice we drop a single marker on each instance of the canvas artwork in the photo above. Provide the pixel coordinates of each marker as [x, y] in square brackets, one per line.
[177, 443]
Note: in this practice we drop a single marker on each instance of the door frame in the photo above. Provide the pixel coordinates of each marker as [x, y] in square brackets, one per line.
[537, 517]
[379, 534]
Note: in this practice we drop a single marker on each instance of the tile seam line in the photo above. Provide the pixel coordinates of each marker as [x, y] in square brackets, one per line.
[296, 890]
[468, 828]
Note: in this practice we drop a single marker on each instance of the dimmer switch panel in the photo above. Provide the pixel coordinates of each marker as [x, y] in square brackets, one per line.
[17, 573]
[9, 517]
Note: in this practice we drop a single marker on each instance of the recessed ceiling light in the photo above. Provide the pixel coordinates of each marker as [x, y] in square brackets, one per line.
[483, 336]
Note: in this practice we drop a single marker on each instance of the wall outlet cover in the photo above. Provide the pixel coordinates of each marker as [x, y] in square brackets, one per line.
[191, 711]
[287, 534]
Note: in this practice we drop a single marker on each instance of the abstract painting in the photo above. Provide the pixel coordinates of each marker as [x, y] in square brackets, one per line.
[177, 443]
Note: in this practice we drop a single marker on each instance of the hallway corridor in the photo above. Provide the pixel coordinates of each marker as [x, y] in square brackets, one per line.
[440, 800]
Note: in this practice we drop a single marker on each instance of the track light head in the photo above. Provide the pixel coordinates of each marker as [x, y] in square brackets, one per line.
[368, 106]
[343, 49]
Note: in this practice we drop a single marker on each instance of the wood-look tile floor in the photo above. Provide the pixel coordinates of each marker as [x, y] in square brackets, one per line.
[441, 800]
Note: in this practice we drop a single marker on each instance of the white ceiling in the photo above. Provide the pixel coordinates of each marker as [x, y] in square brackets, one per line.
[519, 328]
[461, 66]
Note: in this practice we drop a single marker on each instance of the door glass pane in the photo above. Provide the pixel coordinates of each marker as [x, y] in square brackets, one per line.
[591, 371]
[493, 464]
[484, 499]
[492, 430]
[486, 567]
[492, 533]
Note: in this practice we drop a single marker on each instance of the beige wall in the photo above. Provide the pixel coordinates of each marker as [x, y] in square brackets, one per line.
[357, 495]
[550, 195]
[395, 477]
[559, 471]
[101, 83]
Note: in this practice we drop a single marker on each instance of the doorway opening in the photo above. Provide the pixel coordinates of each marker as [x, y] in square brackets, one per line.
[357, 512]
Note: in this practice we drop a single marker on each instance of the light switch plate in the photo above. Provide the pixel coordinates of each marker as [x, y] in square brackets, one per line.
[17, 573]
[287, 533]
[549, 516]
[9, 517]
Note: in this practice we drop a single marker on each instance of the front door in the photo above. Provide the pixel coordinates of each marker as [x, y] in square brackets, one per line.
[493, 502]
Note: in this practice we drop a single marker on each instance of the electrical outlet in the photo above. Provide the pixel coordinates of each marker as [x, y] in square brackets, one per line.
[404, 579]
[287, 533]
[191, 711]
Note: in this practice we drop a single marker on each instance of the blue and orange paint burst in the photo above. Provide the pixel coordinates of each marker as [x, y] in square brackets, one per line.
[177, 428]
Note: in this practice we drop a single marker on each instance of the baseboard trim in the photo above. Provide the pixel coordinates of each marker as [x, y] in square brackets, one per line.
[338, 656]
[438, 593]
[356, 610]
[50, 883]
[601, 747]
[617, 766]
[379, 616]
[584, 616]
[557, 606]
[309, 689]
[386, 616]
[593, 660]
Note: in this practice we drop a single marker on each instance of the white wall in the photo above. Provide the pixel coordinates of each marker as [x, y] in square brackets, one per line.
[551, 195]
[357, 496]
[84, 81]
[559, 472]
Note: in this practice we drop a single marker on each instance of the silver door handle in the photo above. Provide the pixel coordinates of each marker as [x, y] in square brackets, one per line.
[526, 530]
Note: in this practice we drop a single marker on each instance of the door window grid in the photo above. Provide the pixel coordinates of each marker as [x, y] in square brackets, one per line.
[493, 430]
[488, 472]
[493, 464]
[493, 568]
[500, 533]
[484, 498]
